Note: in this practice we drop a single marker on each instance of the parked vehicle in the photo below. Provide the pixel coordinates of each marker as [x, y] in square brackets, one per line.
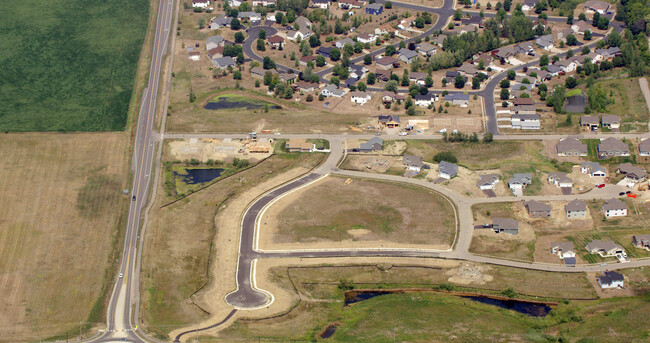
[621, 193]
[402, 133]
[601, 185]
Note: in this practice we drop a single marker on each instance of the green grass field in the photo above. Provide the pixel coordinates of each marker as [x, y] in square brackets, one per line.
[69, 65]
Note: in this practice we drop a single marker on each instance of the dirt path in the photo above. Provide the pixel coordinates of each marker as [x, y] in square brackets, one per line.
[643, 83]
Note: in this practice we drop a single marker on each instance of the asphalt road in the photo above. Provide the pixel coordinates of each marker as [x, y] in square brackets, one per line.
[119, 308]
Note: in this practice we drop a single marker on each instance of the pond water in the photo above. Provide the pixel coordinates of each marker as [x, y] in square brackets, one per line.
[329, 331]
[527, 308]
[195, 176]
[531, 309]
[575, 104]
[237, 103]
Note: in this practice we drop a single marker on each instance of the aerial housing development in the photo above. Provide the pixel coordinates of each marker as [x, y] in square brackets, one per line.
[272, 170]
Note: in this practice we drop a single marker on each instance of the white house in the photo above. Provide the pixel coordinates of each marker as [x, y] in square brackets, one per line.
[413, 163]
[367, 38]
[614, 208]
[322, 4]
[525, 121]
[194, 55]
[200, 3]
[360, 98]
[425, 100]
[332, 91]
[567, 65]
[487, 181]
[611, 279]
[447, 170]
[235, 3]
[563, 249]
[593, 169]
[518, 182]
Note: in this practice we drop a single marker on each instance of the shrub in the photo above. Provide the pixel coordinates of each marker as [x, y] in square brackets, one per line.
[446, 156]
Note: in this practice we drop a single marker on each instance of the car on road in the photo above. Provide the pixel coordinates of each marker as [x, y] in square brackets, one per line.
[621, 193]
[133, 198]
[121, 275]
[277, 133]
[628, 192]
[402, 133]
[601, 185]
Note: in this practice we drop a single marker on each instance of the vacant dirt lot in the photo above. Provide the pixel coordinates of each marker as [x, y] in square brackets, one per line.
[61, 211]
[361, 211]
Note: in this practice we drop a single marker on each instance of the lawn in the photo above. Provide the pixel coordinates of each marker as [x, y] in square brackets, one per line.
[62, 215]
[629, 102]
[69, 65]
[574, 92]
[179, 246]
[364, 210]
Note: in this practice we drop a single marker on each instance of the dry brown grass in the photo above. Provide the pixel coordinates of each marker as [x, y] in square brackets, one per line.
[179, 247]
[61, 211]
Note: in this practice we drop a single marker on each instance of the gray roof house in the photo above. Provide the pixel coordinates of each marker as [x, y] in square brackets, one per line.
[614, 208]
[560, 179]
[593, 169]
[571, 146]
[332, 90]
[518, 182]
[407, 56]
[611, 121]
[576, 209]
[426, 49]
[505, 225]
[604, 248]
[641, 241]
[340, 44]
[219, 22]
[525, 121]
[590, 122]
[303, 22]
[487, 181]
[611, 279]
[545, 42]
[564, 250]
[632, 172]
[459, 99]
[213, 42]
[223, 62]
[413, 163]
[447, 170]
[538, 209]
[611, 146]
[644, 147]
[373, 144]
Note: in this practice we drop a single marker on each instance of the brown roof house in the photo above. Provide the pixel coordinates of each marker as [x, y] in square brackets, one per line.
[633, 173]
[614, 208]
[641, 241]
[299, 145]
[560, 179]
[576, 209]
[563, 249]
[505, 225]
[386, 63]
[604, 248]
[571, 146]
[611, 146]
[590, 122]
[538, 209]
[611, 121]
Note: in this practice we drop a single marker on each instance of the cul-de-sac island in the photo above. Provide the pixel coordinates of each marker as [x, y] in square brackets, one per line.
[318, 170]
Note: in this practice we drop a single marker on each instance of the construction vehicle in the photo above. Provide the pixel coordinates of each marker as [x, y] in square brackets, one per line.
[348, 181]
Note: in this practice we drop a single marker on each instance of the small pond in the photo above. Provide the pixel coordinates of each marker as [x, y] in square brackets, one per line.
[237, 102]
[329, 331]
[531, 309]
[199, 175]
[576, 104]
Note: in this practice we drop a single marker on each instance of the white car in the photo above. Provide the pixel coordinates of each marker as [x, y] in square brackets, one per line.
[402, 133]
[277, 133]
[121, 275]
[622, 258]
[442, 131]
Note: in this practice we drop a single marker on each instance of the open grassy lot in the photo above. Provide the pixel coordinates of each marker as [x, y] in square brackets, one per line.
[364, 210]
[629, 103]
[69, 65]
[178, 248]
[425, 317]
[62, 212]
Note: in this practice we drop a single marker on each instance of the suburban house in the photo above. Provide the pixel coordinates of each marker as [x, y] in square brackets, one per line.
[580, 27]
[522, 101]
[599, 6]
[487, 181]
[576, 209]
[505, 53]
[505, 225]
[302, 33]
[450, 76]
[525, 121]
[264, 3]
[564, 33]
[360, 98]
[518, 182]
[383, 75]
[275, 41]
[223, 62]
[259, 72]
[439, 40]
[235, 3]
[332, 91]
[485, 57]
[467, 69]
[567, 66]
[614, 208]
[523, 109]
[407, 56]
[367, 38]
[386, 63]
[194, 55]
[303, 22]
[389, 121]
[385, 29]
[611, 279]
[340, 44]
[374, 9]
[306, 59]
[447, 170]
[474, 20]
[571, 146]
[641, 241]
[593, 169]
[251, 16]
[215, 52]
[219, 22]
[611, 146]
[528, 5]
[604, 248]
[644, 147]
[213, 42]
[418, 78]
[545, 42]
[322, 4]
[563, 250]
[388, 97]
[609, 53]
[459, 99]
[357, 71]
[553, 70]
[560, 179]
[538, 209]
[426, 49]
[299, 145]
[459, 30]
[589, 122]
[632, 173]
[611, 121]
[350, 4]
[373, 144]
[413, 163]
[200, 3]
[289, 77]
[324, 51]
[306, 87]
[425, 100]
